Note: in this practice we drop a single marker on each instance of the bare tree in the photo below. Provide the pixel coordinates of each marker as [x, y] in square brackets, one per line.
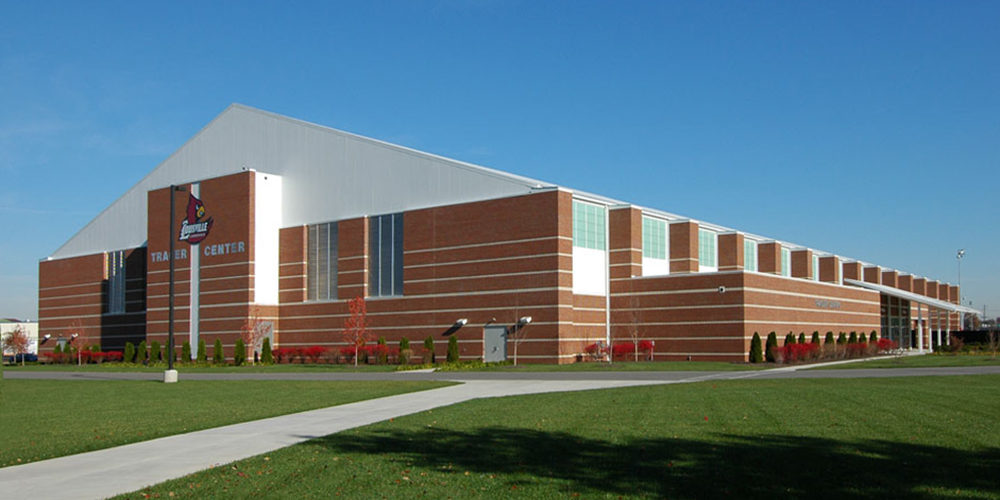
[254, 330]
[356, 330]
[993, 340]
[17, 341]
[634, 333]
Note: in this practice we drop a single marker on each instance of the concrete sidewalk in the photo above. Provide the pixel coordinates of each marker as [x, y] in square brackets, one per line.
[122, 469]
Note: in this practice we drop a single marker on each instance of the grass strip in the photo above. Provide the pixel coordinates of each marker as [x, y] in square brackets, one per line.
[51, 418]
[921, 437]
[923, 361]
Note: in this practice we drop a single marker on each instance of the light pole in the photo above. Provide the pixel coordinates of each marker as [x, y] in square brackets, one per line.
[171, 375]
[961, 253]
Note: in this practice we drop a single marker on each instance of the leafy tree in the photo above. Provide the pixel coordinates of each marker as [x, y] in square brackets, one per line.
[756, 354]
[155, 352]
[129, 356]
[853, 339]
[769, 346]
[842, 338]
[356, 331]
[266, 356]
[202, 355]
[873, 338]
[254, 330]
[815, 338]
[802, 338]
[218, 356]
[453, 349]
[429, 349]
[186, 352]
[789, 339]
[829, 338]
[17, 341]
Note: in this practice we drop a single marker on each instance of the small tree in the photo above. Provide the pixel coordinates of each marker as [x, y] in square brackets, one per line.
[841, 339]
[186, 352]
[202, 355]
[815, 338]
[429, 349]
[218, 356]
[239, 353]
[142, 355]
[129, 356]
[17, 341]
[266, 356]
[802, 338]
[254, 330]
[873, 338]
[769, 346]
[789, 339]
[155, 352]
[756, 355]
[404, 351]
[453, 349]
[853, 339]
[356, 326]
[829, 338]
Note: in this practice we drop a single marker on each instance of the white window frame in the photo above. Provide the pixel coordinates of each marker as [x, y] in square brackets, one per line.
[705, 268]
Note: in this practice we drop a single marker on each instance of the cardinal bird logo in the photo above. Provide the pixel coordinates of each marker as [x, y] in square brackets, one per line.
[193, 229]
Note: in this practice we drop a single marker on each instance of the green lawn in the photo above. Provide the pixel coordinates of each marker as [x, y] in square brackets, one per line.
[922, 437]
[49, 418]
[922, 361]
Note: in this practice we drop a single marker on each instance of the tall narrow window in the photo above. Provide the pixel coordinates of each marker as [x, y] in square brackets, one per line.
[749, 255]
[385, 255]
[816, 267]
[655, 244]
[115, 274]
[707, 250]
[321, 262]
[786, 262]
[588, 226]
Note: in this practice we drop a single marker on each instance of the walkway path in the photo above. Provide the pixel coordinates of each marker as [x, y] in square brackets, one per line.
[122, 469]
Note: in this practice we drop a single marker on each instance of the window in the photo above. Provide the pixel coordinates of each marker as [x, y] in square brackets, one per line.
[588, 226]
[816, 267]
[385, 255]
[654, 238]
[749, 255]
[321, 262]
[115, 274]
[786, 262]
[707, 249]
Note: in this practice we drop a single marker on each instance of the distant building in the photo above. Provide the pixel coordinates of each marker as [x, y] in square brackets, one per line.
[289, 220]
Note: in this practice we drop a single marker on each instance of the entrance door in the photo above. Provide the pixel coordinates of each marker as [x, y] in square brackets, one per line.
[494, 343]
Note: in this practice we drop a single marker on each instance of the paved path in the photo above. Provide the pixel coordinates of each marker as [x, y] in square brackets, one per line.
[122, 469]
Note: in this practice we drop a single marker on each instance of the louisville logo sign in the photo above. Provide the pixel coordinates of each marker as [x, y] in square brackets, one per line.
[193, 229]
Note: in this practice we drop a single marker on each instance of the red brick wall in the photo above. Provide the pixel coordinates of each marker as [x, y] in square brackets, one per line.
[684, 247]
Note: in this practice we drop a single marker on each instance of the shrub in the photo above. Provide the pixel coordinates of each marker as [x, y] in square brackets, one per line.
[802, 338]
[314, 352]
[218, 356]
[363, 352]
[794, 352]
[841, 339]
[155, 352]
[142, 355]
[280, 353]
[756, 354]
[186, 352]
[57, 350]
[789, 339]
[595, 352]
[873, 337]
[856, 349]
[239, 353]
[815, 338]
[404, 351]
[769, 346]
[114, 355]
[453, 349]
[382, 357]
[429, 349]
[853, 339]
[829, 338]
[266, 355]
[129, 355]
[202, 355]
[886, 345]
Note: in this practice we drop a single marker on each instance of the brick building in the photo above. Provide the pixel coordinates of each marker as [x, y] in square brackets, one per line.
[288, 220]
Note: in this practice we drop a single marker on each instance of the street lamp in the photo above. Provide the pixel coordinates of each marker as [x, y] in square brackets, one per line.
[171, 375]
[961, 253]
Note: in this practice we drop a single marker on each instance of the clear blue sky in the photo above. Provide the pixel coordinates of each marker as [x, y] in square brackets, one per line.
[868, 129]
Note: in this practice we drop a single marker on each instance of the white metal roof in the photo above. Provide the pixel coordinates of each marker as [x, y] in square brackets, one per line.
[912, 297]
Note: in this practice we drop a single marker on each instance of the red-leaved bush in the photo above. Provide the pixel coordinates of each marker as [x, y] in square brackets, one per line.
[793, 353]
[886, 345]
[314, 352]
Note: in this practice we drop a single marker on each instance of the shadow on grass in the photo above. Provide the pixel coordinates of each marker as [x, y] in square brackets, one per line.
[759, 467]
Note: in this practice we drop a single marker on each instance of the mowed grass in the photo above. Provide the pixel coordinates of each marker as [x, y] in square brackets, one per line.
[922, 361]
[50, 418]
[922, 437]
